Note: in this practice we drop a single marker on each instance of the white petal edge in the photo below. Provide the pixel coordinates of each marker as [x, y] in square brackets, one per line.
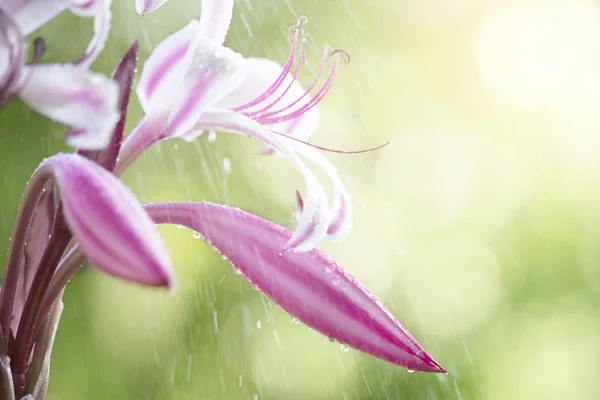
[314, 218]
[164, 69]
[31, 15]
[84, 100]
[102, 20]
[213, 72]
[215, 19]
[147, 6]
[341, 208]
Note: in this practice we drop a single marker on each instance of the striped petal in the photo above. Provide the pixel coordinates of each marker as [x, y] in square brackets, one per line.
[163, 70]
[314, 217]
[113, 230]
[308, 285]
[30, 15]
[84, 100]
[215, 19]
[213, 71]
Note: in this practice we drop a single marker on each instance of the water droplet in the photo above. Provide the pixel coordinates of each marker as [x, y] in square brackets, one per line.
[224, 257]
[196, 235]
[258, 324]
[295, 320]
[344, 347]
[227, 165]
[410, 371]
[212, 136]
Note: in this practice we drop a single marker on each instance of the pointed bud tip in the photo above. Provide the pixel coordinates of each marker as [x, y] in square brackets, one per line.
[432, 365]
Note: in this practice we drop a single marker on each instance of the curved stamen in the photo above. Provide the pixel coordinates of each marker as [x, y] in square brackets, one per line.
[271, 118]
[329, 149]
[298, 31]
[306, 92]
[253, 114]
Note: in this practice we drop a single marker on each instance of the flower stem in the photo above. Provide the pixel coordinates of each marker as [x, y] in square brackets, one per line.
[59, 239]
[23, 220]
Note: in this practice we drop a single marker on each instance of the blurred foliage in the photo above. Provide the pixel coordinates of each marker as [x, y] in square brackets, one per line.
[478, 226]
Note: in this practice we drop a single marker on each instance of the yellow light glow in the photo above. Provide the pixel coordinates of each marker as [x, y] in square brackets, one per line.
[426, 173]
[530, 54]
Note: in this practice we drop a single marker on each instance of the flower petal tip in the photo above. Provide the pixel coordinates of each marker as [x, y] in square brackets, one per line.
[432, 366]
[143, 7]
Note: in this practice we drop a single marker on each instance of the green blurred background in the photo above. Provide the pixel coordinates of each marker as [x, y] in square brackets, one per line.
[478, 226]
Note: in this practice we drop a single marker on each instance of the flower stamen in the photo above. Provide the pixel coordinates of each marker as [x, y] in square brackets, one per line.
[273, 117]
[298, 33]
[330, 150]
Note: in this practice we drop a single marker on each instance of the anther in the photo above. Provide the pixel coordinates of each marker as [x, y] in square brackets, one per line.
[340, 53]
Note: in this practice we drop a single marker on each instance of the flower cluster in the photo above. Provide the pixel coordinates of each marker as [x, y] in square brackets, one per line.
[76, 210]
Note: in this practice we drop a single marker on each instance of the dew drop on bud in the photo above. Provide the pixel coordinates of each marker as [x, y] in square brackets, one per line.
[227, 165]
[212, 136]
[344, 347]
[410, 371]
[295, 320]
[196, 235]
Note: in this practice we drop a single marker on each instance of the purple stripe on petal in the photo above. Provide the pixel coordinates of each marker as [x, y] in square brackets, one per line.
[163, 71]
[164, 67]
[112, 228]
[307, 285]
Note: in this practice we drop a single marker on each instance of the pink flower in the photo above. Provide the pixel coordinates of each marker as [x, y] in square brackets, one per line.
[191, 83]
[307, 285]
[65, 93]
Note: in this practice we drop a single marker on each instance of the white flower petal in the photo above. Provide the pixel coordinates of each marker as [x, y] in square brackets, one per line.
[147, 6]
[84, 100]
[340, 210]
[163, 71]
[314, 218]
[12, 53]
[89, 8]
[262, 73]
[29, 15]
[102, 18]
[213, 71]
[215, 19]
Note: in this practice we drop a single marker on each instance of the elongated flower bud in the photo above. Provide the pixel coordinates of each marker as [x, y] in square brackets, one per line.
[308, 285]
[112, 228]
